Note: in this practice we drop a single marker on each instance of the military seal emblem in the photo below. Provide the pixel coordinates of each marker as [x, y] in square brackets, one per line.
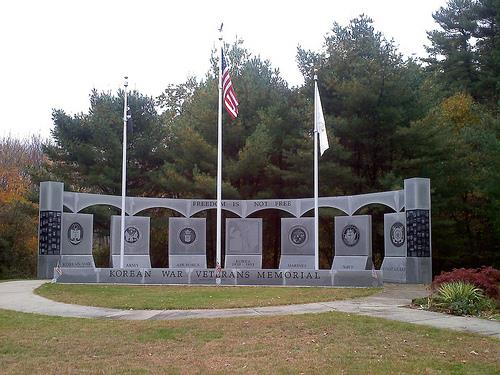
[132, 235]
[298, 235]
[398, 234]
[350, 235]
[187, 236]
[75, 233]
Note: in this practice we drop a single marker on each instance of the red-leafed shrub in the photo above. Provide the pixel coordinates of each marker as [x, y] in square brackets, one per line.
[486, 278]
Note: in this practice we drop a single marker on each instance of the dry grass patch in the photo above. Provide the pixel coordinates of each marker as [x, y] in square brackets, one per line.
[160, 297]
[329, 343]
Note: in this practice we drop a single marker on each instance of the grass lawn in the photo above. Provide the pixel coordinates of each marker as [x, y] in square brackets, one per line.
[192, 297]
[329, 343]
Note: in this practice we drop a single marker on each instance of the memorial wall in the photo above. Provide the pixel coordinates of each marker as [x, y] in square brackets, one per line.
[66, 239]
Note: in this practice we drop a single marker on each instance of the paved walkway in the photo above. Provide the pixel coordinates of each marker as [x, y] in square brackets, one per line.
[388, 304]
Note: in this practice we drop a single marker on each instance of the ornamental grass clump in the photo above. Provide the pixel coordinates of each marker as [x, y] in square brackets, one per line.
[486, 278]
[461, 298]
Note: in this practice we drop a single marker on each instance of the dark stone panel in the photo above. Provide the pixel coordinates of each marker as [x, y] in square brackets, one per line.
[50, 233]
[418, 233]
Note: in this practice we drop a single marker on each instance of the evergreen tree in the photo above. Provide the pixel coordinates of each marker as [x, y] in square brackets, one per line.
[368, 92]
[259, 147]
[87, 153]
[457, 146]
[465, 52]
[254, 144]
[87, 156]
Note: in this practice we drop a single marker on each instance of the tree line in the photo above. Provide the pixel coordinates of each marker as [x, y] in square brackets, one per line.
[389, 117]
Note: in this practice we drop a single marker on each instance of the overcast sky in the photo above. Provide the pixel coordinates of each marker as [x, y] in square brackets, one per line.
[53, 53]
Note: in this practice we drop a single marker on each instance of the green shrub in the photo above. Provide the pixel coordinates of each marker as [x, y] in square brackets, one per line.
[460, 298]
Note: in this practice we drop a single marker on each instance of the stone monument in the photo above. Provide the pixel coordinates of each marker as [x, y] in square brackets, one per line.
[353, 243]
[136, 240]
[243, 244]
[408, 251]
[297, 243]
[77, 233]
[187, 243]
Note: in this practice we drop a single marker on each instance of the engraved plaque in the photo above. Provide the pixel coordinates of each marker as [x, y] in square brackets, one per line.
[50, 233]
[418, 233]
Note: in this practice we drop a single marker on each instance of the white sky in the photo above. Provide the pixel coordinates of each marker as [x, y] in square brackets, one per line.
[53, 53]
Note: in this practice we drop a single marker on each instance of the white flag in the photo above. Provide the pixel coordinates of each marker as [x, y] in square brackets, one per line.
[319, 122]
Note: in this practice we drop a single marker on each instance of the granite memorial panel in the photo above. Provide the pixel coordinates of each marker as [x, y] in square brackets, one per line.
[243, 244]
[297, 243]
[187, 244]
[77, 234]
[395, 234]
[353, 243]
[136, 242]
[394, 263]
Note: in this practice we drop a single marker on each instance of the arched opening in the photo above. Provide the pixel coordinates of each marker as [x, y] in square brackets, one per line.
[210, 214]
[101, 243]
[271, 235]
[326, 234]
[158, 240]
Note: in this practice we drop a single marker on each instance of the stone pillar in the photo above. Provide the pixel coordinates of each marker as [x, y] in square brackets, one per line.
[353, 243]
[415, 265]
[49, 228]
[187, 242]
[243, 244]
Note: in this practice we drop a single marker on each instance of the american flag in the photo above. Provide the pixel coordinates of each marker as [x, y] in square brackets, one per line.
[230, 100]
[57, 272]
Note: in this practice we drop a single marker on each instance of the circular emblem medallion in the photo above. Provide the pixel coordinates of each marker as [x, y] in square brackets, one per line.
[350, 235]
[298, 235]
[75, 233]
[187, 236]
[398, 234]
[132, 235]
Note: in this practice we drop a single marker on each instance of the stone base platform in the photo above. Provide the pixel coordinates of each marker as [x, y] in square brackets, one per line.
[207, 276]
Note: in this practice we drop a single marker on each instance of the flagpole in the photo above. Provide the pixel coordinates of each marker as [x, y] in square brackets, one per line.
[124, 173]
[316, 214]
[218, 255]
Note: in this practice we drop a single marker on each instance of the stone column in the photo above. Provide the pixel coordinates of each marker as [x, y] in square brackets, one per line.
[49, 227]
